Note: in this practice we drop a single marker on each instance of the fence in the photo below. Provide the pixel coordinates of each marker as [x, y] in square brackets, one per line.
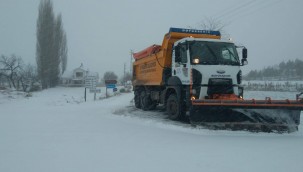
[292, 86]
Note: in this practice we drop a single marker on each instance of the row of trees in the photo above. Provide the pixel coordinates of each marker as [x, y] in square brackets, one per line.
[51, 47]
[15, 74]
[290, 70]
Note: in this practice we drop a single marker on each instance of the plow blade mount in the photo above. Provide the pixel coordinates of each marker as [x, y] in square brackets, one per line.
[253, 115]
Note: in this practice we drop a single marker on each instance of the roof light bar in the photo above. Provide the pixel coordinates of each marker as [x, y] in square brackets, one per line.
[194, 31]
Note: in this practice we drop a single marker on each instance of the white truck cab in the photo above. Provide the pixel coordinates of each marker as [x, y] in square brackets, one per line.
[211, 66]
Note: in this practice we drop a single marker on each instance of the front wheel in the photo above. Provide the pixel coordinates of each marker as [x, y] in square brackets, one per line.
[173, 108]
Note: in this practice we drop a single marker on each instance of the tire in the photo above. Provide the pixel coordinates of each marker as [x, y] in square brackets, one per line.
[146, 102]
[137, 100]
[173, 107]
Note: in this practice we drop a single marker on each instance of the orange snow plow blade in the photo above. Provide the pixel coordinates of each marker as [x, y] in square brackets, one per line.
[254, 115]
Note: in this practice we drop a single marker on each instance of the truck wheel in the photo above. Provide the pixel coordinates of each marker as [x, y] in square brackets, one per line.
[173, 108]
[137, 100]
[143, 102]
[146, 102]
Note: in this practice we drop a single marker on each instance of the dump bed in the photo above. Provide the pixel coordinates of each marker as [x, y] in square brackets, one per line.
[147, 70]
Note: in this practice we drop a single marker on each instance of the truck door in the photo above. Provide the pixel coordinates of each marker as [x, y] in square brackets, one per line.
[181, 64]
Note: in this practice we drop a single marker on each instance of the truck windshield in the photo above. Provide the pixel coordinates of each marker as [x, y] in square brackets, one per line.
[213, 53]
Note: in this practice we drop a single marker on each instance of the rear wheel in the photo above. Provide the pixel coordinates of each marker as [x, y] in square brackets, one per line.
[146, 102]
[137, 99]
[173, 108]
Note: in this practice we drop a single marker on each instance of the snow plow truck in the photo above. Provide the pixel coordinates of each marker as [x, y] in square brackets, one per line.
[195, 75]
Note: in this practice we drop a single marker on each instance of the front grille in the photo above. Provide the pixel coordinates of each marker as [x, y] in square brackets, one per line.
[220, 86]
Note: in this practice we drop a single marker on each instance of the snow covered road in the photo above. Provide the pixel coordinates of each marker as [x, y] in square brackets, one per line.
[55, 130]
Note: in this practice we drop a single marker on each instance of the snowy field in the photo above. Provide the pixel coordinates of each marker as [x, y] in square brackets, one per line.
[56, 131]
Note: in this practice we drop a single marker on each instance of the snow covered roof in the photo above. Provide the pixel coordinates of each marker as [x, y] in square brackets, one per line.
[67, 74]
[81, 67]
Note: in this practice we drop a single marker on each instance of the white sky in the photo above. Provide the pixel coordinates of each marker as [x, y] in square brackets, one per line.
[101, 33]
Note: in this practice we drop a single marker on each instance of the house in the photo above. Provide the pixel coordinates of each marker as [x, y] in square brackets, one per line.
[76, 78]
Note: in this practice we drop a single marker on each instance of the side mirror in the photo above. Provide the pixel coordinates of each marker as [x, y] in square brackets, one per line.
[244, 56]
[244, 53]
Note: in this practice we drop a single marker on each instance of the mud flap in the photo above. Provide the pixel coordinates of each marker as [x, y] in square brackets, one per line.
[270, 119]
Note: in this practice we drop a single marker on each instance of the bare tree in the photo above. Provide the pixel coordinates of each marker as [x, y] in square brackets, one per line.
[2, 80]
[109, 76]
[28, 77]
[209, 23]
[10, 69]
[126, 77]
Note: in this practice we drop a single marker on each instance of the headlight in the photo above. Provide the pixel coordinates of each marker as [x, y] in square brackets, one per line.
[193, 98]
[196, 61]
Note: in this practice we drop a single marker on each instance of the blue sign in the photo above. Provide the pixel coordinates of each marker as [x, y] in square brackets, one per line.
[115, 89]
[110, 85]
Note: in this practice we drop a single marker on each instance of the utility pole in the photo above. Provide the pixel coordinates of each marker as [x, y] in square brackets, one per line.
[131, 61]
[124, 74]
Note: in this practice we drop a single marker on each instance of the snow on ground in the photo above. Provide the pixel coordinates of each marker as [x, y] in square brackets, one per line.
[56, 130]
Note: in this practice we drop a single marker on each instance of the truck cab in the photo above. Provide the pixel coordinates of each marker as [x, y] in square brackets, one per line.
[189, 65]
[210, 66]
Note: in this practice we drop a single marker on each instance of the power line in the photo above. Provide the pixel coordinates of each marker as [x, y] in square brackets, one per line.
[257, 7]
[230, 11]
[233, 10]
[271, 4]
[227, 9]
[243, 10]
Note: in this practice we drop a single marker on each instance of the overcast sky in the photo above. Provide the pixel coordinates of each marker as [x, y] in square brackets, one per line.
[102, 33]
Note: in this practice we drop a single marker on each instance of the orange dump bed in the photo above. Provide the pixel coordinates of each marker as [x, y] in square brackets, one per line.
[147, 51]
